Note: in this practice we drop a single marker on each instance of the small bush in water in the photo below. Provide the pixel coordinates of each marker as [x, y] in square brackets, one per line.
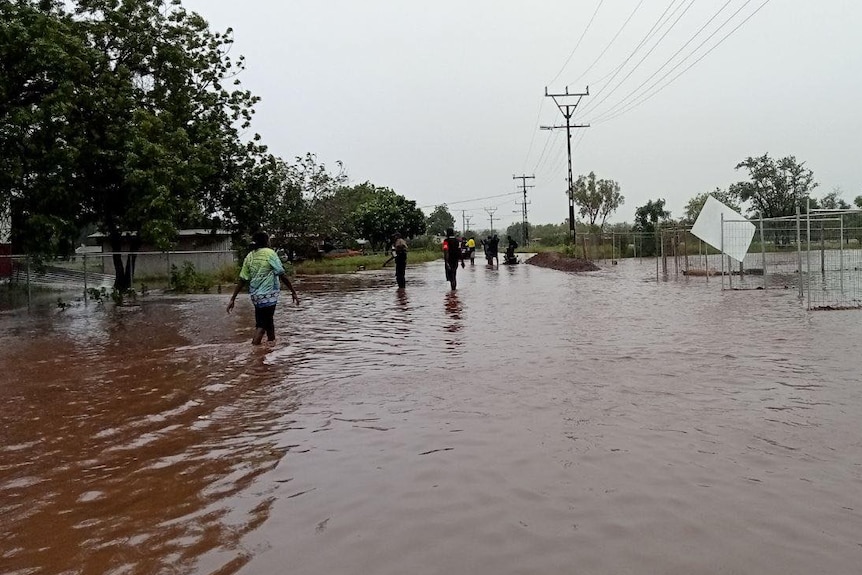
[189, 280]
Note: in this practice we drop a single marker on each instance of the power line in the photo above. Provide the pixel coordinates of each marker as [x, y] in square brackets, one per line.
[560, 149]
[647, 97]
[643, 41]
[584, 33]
[554, 165]
[594, 104]
[468, 201]
[624, 101]
[544, 149]
[533, 138]
[590, 67]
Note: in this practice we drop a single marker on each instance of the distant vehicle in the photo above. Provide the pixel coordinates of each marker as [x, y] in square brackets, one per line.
[342, 253]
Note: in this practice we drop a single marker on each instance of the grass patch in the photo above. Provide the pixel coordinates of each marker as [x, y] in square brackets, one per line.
[355, 263]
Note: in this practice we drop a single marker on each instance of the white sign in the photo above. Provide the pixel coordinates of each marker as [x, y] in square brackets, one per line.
[738, 232]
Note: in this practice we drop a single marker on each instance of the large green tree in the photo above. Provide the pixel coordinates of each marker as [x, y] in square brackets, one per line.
[388, 213]
[775, 187]
[133, 126]
[334, 212]
[440, 220]
[41, 58]
[596, 199]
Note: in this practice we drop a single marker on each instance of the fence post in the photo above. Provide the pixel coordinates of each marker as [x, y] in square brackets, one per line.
[822, 249]
[721, 254]
[808, 249]
[29, 295]
[85, 280]
[841, 253]
[663, 257]
[799, 249]
[685, 249]
[763, 252]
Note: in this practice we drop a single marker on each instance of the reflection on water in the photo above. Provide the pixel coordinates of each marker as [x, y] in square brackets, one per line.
[603, 423]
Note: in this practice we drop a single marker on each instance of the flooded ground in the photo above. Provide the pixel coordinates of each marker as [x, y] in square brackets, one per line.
[531, 422]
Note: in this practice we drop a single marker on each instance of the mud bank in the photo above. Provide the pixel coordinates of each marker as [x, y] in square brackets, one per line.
[558, 261]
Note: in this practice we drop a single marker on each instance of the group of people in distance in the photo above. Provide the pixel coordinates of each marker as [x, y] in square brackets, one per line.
[455, 252]
[263, 273]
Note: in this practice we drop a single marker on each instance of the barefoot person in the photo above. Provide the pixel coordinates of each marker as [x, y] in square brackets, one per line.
[262, 270]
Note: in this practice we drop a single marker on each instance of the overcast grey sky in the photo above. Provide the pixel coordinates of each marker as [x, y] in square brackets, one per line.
[442, 101]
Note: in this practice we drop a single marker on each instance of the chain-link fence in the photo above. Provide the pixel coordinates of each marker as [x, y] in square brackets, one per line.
[817, 254]
[91, 270]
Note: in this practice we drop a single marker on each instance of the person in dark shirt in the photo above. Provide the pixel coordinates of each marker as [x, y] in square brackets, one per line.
[494, 249]
[510, 251]
[399, 254]
[451, 257]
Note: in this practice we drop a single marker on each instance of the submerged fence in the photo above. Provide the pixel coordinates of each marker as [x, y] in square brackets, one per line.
[82, 272]
[817, 254]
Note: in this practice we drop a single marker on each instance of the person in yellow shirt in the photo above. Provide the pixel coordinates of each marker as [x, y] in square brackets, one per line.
[471, 249]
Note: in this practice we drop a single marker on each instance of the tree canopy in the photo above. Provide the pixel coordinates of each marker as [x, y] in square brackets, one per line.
[650, 214]
[440, 220]
[775, 187]
[833, 200]
[648, 218]
[127, 116]
[695, 204]
[596, 199]
[387, 213]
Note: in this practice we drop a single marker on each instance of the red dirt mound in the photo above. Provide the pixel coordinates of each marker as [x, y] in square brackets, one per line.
[558, 261]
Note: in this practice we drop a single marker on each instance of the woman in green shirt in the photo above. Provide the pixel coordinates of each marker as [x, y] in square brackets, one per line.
[262, 271]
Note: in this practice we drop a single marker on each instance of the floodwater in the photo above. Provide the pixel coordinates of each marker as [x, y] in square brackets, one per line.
[531, 422]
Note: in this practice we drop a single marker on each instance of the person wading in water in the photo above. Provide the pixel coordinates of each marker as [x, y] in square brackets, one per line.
[262, 271]
[399, 254]
[451, 256]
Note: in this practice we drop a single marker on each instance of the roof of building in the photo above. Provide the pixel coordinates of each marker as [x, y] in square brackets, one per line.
[181, 233]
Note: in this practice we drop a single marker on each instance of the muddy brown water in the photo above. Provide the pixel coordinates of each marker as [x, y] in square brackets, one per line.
[531, 422]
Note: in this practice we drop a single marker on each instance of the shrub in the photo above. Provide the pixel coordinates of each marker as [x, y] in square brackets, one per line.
[188, 280]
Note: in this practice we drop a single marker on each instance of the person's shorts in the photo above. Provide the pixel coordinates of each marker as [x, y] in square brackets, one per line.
[264, 316]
